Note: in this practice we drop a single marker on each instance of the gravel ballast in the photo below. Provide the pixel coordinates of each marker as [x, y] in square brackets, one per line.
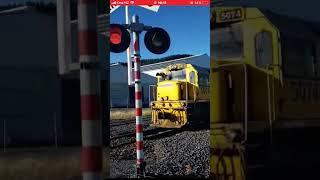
[168, 152]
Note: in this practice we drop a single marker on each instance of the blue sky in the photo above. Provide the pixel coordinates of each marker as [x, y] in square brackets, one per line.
[188, 27]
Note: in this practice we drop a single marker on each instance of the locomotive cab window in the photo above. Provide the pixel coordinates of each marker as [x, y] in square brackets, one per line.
[177, 75]
[263, 49]
[192, 77]
[228, 41]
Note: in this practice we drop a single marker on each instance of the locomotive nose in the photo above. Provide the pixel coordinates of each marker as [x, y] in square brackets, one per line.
[169, 91]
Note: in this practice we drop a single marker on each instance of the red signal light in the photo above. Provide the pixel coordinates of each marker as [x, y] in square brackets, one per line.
[119, 38]
[115, 35]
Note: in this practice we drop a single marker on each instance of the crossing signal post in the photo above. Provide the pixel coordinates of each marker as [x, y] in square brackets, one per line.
[138, 99]
[157, 41]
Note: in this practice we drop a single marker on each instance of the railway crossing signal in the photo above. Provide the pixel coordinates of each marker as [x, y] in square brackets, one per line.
[157, 41]
[114, 7]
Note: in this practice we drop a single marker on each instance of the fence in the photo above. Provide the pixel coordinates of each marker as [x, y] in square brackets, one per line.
[36, 132]
[122, 95]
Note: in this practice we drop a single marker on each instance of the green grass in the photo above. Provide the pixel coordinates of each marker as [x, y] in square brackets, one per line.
[125, 114]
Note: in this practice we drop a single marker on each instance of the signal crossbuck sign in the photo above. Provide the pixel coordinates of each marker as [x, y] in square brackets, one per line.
[152, 8]
[113, 8]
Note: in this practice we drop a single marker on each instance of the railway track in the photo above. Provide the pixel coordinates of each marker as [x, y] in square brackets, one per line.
[147, 133]
[123, 131]
[128, 132]
[120, 122]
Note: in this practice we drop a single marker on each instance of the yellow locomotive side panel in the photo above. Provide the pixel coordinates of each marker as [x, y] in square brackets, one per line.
[241, 91]
[292, 98]
[261, 82]
[250, 92]
[300, 100]
[264, 82]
